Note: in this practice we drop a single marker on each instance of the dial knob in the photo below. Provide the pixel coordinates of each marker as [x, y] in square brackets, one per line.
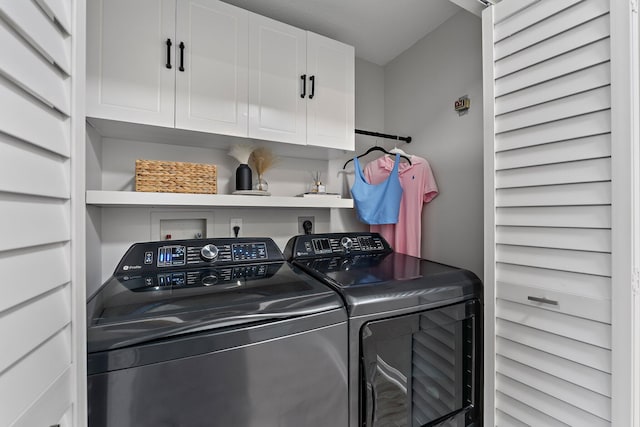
[209, 252]
[346, 243]
[210, 280]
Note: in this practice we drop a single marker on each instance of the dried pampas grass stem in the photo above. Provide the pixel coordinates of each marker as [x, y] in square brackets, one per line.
[261, 160]
[241, 153]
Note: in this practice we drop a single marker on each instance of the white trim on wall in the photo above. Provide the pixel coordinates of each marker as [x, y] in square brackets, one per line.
[635, 215]
[623, 166]
[489, 218]
[78, 214]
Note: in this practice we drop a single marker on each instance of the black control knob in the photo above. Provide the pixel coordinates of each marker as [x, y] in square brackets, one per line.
[210, 280]
[209, 252]
[346, 243]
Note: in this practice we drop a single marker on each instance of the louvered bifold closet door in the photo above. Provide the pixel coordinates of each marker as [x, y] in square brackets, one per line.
[36, 364]
[552, 200]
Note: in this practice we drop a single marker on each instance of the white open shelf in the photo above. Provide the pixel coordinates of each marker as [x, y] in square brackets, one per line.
[133, 199]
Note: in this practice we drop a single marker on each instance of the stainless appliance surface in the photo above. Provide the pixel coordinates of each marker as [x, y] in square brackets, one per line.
[415, 330]
[215, 332]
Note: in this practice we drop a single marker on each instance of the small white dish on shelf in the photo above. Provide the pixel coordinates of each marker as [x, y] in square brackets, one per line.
[251, 193]
[319, 195]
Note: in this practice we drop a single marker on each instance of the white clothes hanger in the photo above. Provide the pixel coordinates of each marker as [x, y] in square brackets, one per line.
[396, 150]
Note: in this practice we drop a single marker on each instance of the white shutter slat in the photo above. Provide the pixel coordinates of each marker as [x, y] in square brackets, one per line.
[595, 170]
[597, 123]
[556, 216]
[579, 36]
[575, 328]
[35, 323]
[589, 355]
[568, 370]
[597, 240]
[547, 404]
[577, 82]
[39, 30]
[557, 259]
[579, 397]
[504, 419]
[60, 10]
[527, 414]
[52, 259]
[534, 14]
[51, 405]
[34, 374]
[24, 169]
[52, 130]
[591, 147]
[585, 285]
[576, 60]
[572, 304]
[592, 193]
[22, 222]
[511, 9]
[28, 69]
[574, 105]
[553, 25]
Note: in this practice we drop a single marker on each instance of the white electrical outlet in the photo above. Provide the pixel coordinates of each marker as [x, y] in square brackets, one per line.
[235, 222]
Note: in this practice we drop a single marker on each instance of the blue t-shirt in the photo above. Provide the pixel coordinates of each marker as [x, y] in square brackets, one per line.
[377, 203]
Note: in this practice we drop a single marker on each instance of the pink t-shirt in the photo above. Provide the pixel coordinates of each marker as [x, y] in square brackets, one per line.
[419, 187]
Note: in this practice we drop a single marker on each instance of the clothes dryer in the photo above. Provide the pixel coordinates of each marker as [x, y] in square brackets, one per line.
[415, 330]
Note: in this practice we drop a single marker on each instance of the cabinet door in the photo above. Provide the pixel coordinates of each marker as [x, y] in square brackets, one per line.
[277, 64]
[211, 75]
[331, 86]
[127, 57]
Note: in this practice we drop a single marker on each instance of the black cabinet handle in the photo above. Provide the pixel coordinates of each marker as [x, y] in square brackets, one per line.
[312, 79]
[169, 53]
[304, 85]
[181, 68]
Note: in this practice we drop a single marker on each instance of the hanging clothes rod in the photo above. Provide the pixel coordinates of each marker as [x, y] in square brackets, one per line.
[406, 139]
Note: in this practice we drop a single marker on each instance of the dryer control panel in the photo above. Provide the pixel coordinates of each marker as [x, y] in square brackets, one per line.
[314, 245]
[172, 254]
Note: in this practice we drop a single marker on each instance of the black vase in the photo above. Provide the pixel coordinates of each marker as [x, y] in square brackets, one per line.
[243, 177]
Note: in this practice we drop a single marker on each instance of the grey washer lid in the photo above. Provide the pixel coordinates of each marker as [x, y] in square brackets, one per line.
[127, 311]
[376, 283]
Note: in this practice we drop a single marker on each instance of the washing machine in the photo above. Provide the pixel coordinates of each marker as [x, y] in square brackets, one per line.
[415, 330]
[215, 332]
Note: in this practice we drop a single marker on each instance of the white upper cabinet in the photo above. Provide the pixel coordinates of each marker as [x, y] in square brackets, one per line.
[168, 64]
[127, 57]
[331, 93]
[277, 74]
[208, 66]
[211, 62]
[301, 86]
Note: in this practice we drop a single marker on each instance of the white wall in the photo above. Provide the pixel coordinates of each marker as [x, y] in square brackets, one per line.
[420, 87]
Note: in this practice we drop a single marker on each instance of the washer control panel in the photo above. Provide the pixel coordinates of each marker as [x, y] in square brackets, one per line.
[335, 243]
[157, 256]
[226, 277]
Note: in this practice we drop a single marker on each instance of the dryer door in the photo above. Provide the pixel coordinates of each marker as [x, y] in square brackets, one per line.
[423, 369]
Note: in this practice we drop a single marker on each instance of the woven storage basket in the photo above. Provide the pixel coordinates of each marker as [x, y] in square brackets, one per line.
[175, 177]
